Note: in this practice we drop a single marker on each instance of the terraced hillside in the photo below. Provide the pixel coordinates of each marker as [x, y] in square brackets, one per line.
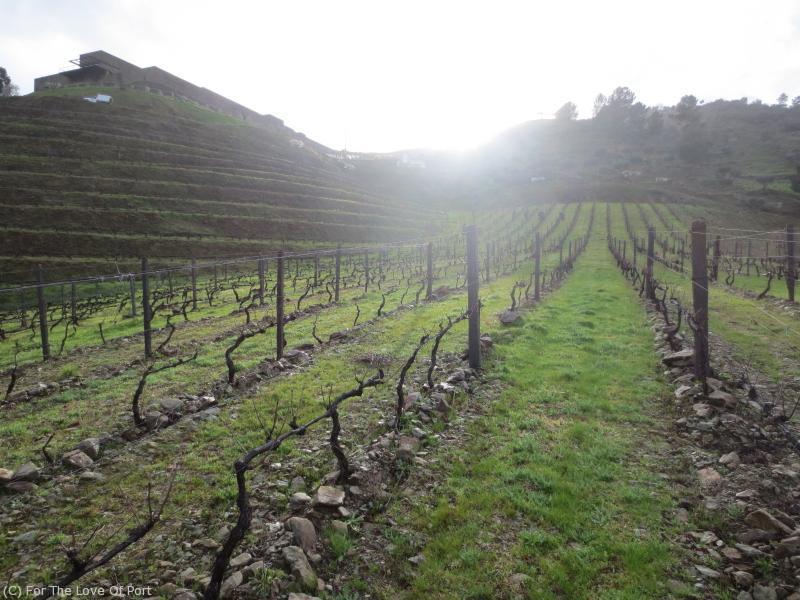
[82, 184]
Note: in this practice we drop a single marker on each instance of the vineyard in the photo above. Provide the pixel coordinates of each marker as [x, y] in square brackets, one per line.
[84, 191]
[360, 419]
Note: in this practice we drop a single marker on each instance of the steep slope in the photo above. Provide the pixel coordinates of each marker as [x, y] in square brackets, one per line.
[86, 183]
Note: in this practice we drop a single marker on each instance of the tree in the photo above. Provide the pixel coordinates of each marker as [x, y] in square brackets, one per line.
[5, 81]
[616, 107]
[622, 97]
[686, 107]
[796, 101]
[599, 104]
[783, 100]
[688, 101]
[7, 87]
[568, 112]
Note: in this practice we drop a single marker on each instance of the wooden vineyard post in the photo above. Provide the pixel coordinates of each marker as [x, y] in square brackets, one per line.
[473, 302]
[749, 255]
[337, 272]
[700, 299]
[537, 266]
[262, 283]
[429, 276]
[715, 263]
[194, 284]
[146, 314]
[22, 312]
[791, 273]
[488, 262]
[216, 284]
[648, 274]
[366, 272]
[279, 338]
[634, 252]
[624, 250]
[132, 283]
[73, 304]
[44, 332]
[316, 270]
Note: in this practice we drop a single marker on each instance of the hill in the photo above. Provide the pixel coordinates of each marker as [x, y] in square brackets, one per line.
[728, 153]
[82, 184]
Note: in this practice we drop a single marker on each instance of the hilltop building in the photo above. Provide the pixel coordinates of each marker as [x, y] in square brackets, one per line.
[103, 69]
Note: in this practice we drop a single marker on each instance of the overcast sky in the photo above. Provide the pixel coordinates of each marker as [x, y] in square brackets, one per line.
[380, 75]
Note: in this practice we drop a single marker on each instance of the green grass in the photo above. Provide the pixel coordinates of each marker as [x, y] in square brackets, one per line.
[205, 488]
[554, 484]
[339, 543]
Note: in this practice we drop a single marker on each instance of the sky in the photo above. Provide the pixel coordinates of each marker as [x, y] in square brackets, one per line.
[380, 75]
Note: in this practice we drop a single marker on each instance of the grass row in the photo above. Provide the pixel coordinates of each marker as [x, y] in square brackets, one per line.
[555, 495]
[205, 487]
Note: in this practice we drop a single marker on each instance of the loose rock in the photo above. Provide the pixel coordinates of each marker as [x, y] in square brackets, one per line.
[743, 579]
[299, 499]
[709, 477]
[763, 520]
[240, 561]
[76, 459]
[231, 583]
[764, 592]
[27, 472]
[26, 538]
[708, 573]
[303, 532]
[407, 447]
[329, 496]
[6, 475]
[339, 527]
[731, 460]
[788, 547]
[90, 447]
[171, 405]
[206, 544]
[682, 358]
[722, 399]
[21, 487]
[300, 568]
